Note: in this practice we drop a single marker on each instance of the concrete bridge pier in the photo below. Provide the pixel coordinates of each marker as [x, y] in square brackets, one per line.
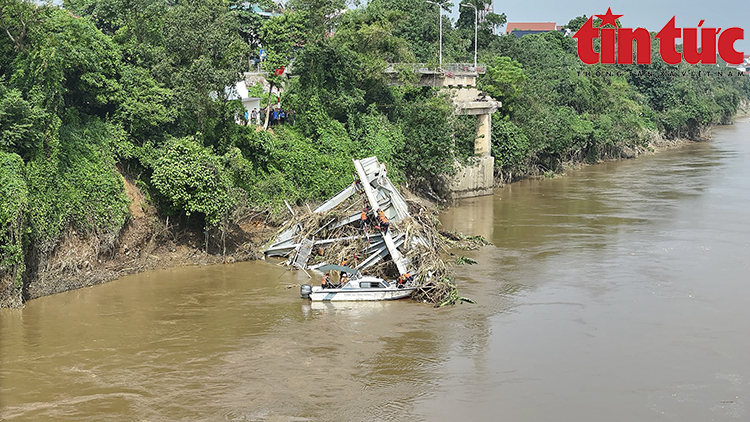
[477, 178]
[460, 79]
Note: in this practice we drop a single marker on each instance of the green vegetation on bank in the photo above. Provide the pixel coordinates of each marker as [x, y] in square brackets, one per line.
[101, 88]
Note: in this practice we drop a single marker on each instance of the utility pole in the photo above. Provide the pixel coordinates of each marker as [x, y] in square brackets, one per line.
[440, 23]
[476, 14]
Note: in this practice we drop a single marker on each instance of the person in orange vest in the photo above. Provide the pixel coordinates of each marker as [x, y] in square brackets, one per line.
[363, 219]
[325, 282]
[343, 276]
[403, 279]
[344, 279]
[383, 221]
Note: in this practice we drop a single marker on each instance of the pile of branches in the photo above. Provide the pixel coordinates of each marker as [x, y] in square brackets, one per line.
[427, 246]
[436, 283]
[353, 238]
[440, 293]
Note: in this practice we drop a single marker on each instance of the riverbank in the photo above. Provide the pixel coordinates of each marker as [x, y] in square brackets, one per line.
[146, 242]
[655, 143]
[149, 242]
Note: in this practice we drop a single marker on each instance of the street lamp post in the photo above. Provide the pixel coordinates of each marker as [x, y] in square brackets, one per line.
[440, 23]
[476, 13]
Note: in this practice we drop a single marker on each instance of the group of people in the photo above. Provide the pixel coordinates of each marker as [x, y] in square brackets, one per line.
[403, 279]
[277, 116]
[381, 219]
[381, 223]
[326, 283]
[343, 277]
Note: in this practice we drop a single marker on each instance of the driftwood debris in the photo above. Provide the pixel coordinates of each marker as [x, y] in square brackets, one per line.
[334, 233]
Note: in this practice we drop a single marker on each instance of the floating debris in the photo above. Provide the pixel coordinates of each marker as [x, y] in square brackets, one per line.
[462, 260]
[370, 226]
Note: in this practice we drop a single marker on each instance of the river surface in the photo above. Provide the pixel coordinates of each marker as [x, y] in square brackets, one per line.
[616, 293]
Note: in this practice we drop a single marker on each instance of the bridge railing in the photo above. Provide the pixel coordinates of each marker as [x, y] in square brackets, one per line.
[448, 69]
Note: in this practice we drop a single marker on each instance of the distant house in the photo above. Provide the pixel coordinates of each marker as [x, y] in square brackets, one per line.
[250, 103]
[519, 29]
[263, 12]
[744, 66]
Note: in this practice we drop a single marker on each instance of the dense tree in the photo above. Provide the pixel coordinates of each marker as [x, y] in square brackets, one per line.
[322, 15]
[13, 209]
[576, 23]
[284, 37]
[486, 24]
[249, 20]
[416, 22]
[504, 81]
[21, 124]
[193, 179]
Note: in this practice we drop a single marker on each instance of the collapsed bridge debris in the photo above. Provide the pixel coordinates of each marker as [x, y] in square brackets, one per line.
[370, 226]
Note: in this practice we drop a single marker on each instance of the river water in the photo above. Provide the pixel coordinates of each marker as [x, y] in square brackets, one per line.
[618, 292]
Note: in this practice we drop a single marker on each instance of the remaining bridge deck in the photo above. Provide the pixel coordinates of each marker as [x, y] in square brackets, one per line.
[451, 74]
[462, 69]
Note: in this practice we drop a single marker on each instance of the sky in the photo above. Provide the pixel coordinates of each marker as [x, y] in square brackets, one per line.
[649, 14]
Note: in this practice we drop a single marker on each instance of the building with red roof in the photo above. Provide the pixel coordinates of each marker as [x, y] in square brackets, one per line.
[520, 29]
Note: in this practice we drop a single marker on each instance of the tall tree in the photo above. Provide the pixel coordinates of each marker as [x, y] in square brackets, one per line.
[486, 23]
[283, 37]
[17, 17]
[416, 22]
[322, 15]
[205, 58]
[487, 20]
[250, 21]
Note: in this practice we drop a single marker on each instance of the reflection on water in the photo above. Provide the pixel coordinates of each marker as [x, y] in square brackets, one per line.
[616, 292]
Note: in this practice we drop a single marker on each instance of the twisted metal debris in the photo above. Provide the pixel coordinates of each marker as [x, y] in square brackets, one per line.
[334, 233]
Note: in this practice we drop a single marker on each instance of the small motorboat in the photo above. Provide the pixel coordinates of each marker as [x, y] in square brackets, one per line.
[358, 287]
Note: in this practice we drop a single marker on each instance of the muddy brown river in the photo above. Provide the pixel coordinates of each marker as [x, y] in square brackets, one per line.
[617, 293]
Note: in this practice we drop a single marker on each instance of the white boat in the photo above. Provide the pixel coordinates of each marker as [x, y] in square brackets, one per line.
[357, 288]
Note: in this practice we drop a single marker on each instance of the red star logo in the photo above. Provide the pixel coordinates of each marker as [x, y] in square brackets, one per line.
[608, 18]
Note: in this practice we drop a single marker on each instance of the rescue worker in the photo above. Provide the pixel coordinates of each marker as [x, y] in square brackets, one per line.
[383, 221]
[363, 219]
[344, 279]
[325, 283]
[403, 279]
[344, 275]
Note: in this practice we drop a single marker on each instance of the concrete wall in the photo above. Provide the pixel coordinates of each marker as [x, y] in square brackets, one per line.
[474, 180]
[459, 80]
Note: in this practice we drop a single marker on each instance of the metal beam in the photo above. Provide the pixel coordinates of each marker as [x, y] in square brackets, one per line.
[395, 254]
[339, 198]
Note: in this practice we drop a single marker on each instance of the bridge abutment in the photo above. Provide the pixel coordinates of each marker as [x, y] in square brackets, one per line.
[477, 178]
